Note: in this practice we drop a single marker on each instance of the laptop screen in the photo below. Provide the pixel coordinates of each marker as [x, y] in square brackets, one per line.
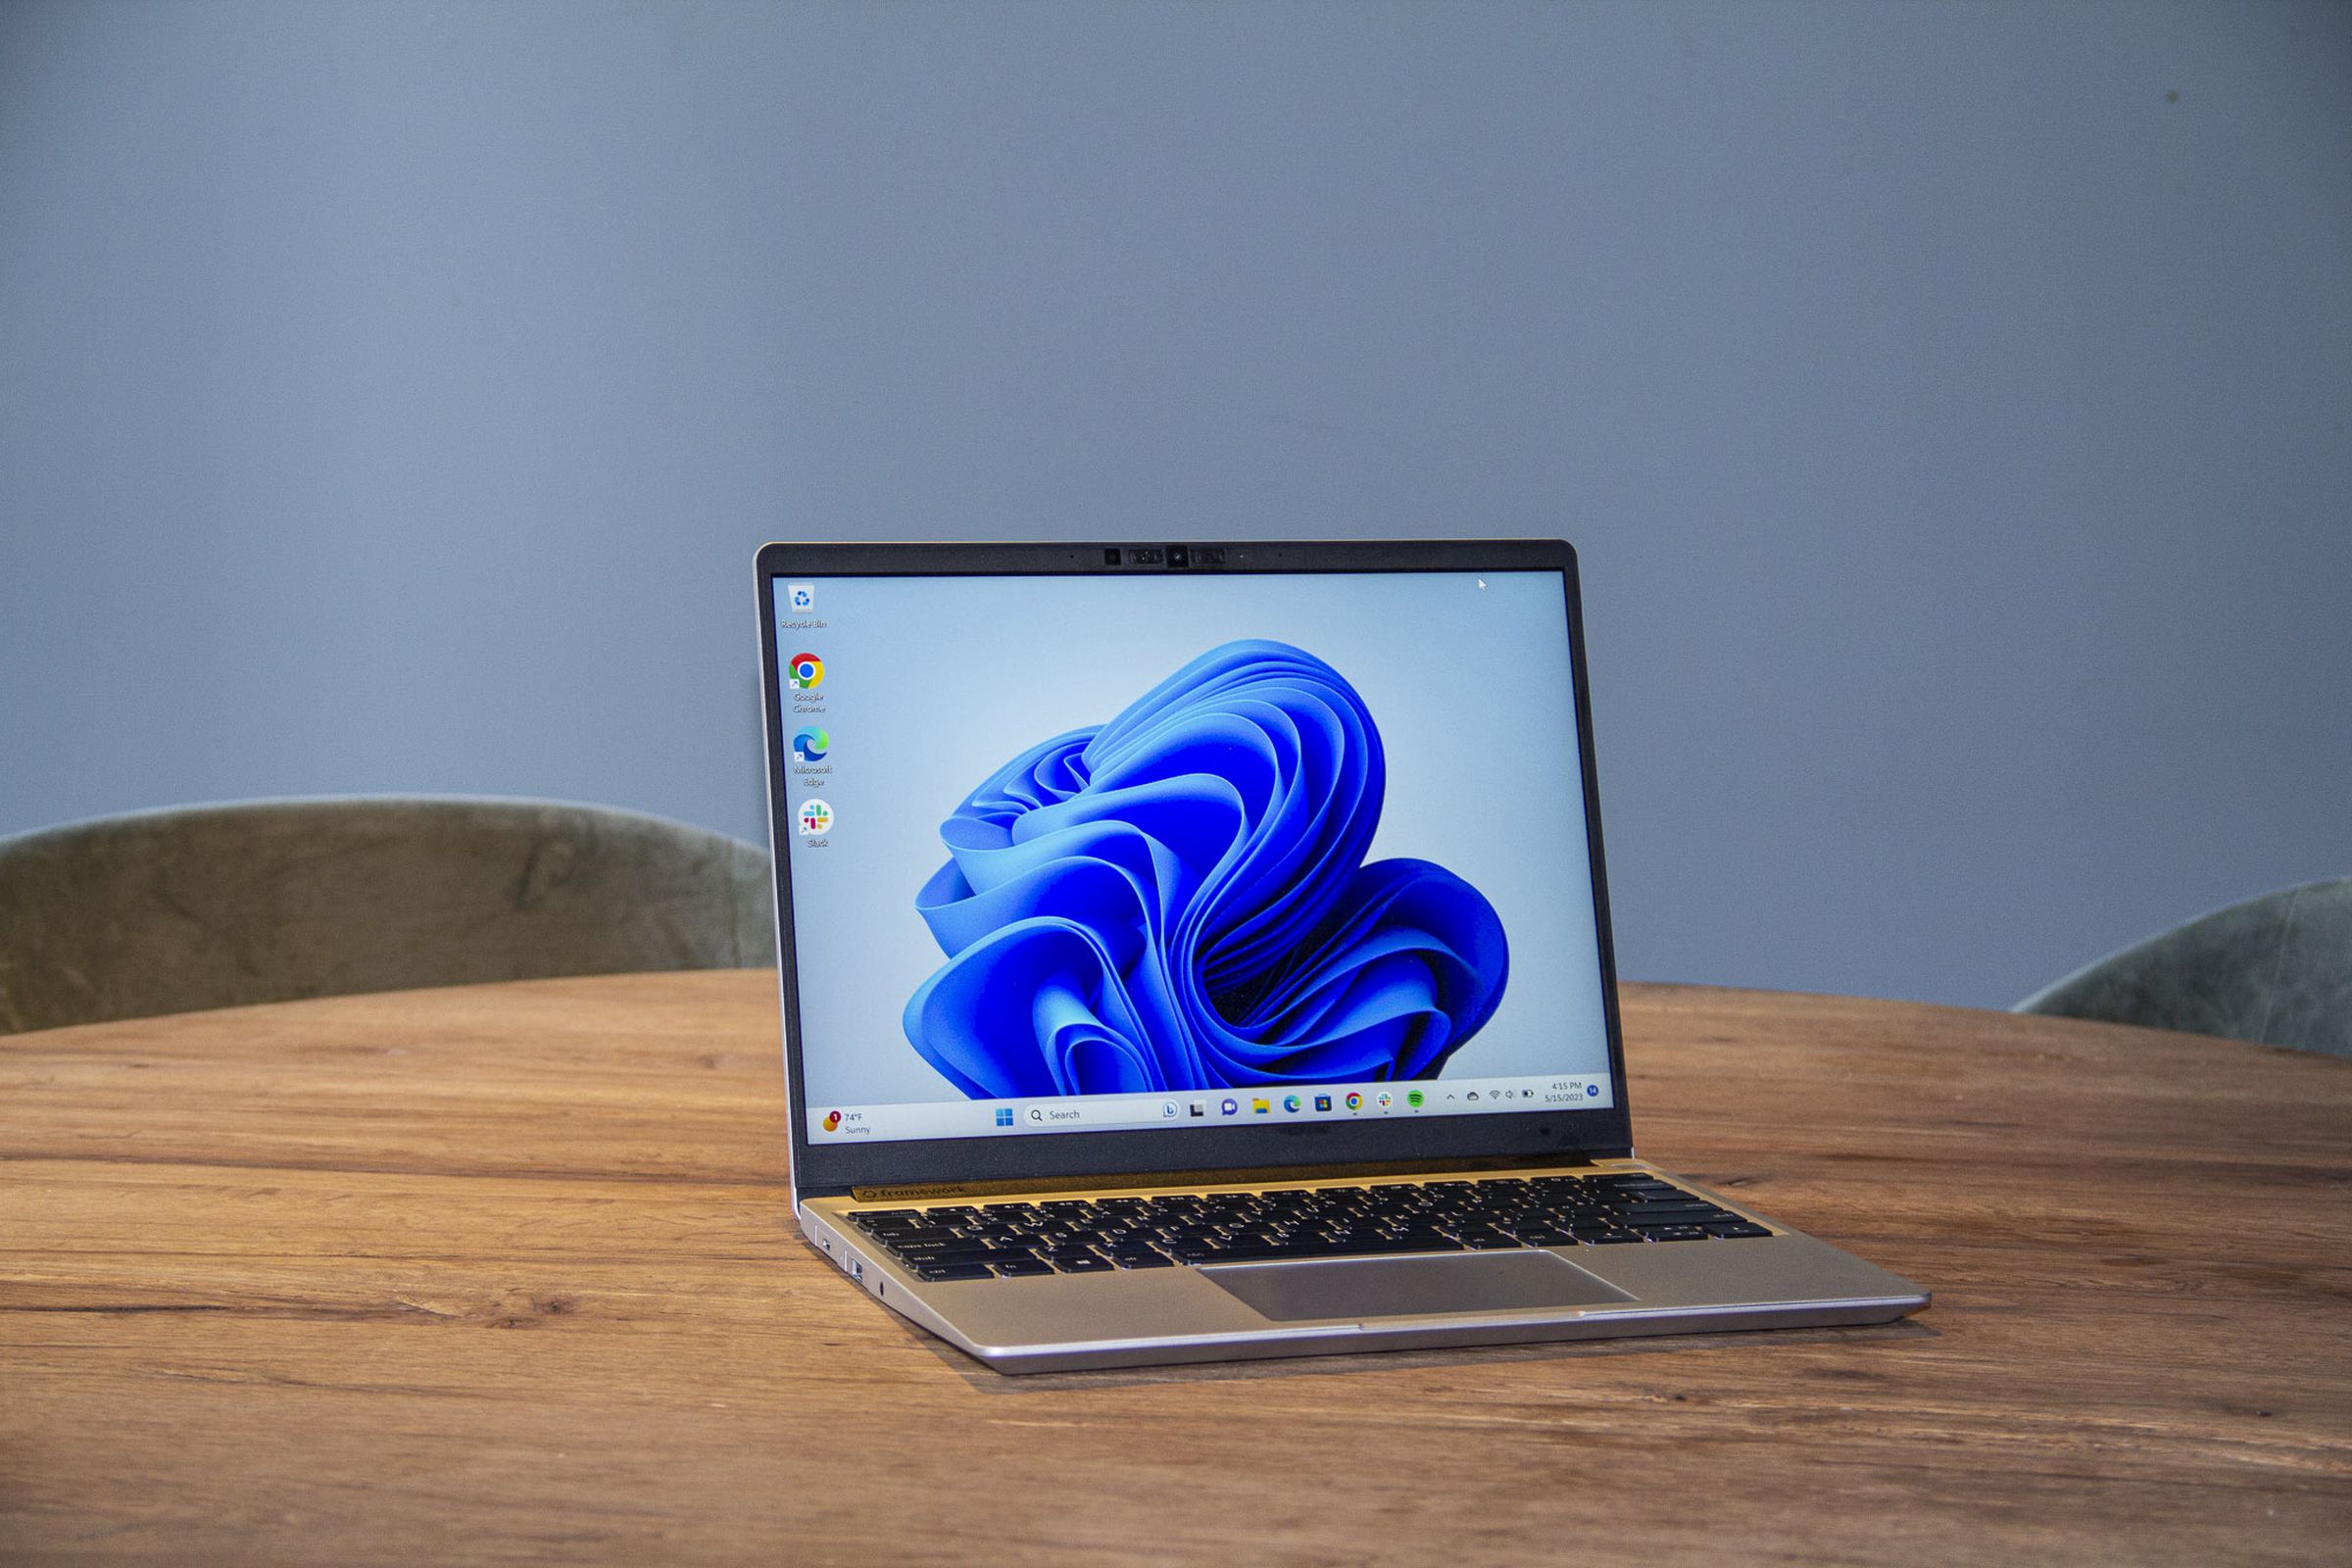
[1182, 851]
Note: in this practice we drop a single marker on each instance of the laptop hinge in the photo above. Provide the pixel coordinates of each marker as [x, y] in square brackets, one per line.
[932, 1192]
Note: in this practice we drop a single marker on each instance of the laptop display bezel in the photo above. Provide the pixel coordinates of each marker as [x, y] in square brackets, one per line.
[1550, 1136]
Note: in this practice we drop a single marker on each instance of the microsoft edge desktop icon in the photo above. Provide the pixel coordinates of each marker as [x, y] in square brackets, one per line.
[811, 745]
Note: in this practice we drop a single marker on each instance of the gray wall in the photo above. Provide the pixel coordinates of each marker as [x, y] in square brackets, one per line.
[1950, 401]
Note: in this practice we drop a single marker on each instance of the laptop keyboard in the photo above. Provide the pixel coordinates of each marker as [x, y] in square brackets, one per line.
[1079, 1236]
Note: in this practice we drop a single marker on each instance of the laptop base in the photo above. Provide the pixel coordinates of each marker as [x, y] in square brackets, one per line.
[1333, 1306]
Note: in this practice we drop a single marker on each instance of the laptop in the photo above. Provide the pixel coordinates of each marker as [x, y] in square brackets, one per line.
[1198, 951]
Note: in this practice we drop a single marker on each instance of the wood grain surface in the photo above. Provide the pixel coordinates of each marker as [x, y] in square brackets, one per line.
[507, 1273]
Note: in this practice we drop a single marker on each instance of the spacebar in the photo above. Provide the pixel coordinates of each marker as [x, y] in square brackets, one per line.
[1283, 1251]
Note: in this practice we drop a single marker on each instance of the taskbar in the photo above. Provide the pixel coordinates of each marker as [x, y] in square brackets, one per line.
[1202, 1108]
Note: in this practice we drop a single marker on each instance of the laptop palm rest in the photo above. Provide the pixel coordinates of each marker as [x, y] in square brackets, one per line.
[1403, 1287]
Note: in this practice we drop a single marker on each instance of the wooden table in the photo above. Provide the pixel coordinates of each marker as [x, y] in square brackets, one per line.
[507, 1273]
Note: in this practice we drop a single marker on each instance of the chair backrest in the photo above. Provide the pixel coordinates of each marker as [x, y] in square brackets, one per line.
[269, 900]
[2277, 969]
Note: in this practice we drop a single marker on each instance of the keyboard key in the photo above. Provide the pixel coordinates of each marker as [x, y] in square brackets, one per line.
[1382, 1245]
[1081, 1262]
[954, 1271]
[1256, 1252]
[1674, 1215]
[1545, 1235]
[1736, 1228]
[956, 1256]
[1014, 1266]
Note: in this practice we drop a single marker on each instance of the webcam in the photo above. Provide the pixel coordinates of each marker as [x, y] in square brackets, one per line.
[1175, 558]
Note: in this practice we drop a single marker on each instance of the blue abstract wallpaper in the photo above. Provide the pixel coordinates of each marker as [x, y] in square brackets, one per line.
[1178, 899]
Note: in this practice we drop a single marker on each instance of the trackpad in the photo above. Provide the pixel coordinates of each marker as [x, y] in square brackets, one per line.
[1398, 1286]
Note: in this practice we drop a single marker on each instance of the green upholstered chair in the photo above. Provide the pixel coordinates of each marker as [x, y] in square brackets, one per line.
[2277, 969]
[269, 900]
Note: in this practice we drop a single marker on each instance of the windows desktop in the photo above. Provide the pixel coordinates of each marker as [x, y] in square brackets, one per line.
[1106, 853]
